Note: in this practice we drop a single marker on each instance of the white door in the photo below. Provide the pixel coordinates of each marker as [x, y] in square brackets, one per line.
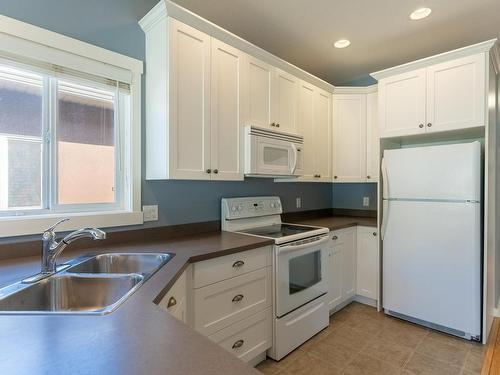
[189, 103]
[445, 172]
[258, 98]
[431, 263]
[402, 104]
[306, 129]
[367, 262]
[285, 101]
[349, 138]
[372, 138]
[456, 96]
[322, 135]
[226, 161]
[335, 275]
[349, 264]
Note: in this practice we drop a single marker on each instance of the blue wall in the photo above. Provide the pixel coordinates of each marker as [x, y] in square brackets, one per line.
[351, 195]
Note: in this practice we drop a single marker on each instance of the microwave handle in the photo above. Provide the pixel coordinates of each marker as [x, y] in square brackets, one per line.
[289, 248]
[295, 157]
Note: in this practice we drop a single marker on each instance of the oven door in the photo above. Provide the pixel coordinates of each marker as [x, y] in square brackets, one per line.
[300, 273]
[275, 157]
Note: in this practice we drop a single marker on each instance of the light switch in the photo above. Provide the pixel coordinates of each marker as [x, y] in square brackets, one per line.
[298, 202]
[366, 201]
[150, 213]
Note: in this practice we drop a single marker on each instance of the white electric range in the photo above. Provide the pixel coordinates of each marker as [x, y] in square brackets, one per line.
[299, 268]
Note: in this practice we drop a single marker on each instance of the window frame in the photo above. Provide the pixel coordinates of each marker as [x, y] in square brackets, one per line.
[18, 41]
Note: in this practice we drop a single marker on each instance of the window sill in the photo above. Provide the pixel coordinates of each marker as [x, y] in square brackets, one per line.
[36, 224]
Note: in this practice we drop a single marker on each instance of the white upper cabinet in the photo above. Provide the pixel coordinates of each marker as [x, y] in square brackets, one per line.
[314, 124]
[349, 138]
[260, 76]
[402, 104]
[227, 65]
[372, 138]
[438, 97]
[285, 101]
[323, 135]
[456, 94]
[189, 139]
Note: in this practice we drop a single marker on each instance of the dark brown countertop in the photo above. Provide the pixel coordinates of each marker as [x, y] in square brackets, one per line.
[137, 338]
[337, 222]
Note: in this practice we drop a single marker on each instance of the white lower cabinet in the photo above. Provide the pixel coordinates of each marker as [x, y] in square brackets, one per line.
[247, 338]
[367, 263]
[353, 265]
[175, 300]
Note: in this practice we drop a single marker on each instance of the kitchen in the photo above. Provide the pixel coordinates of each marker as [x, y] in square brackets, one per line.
[210, 131]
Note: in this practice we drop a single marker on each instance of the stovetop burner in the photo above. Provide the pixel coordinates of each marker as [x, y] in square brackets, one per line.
[278, 230]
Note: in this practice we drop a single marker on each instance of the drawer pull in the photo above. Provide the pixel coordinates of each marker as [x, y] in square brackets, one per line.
[238, 298]
[171, 302]
[335, 238]
[238, 344]
[238, 264]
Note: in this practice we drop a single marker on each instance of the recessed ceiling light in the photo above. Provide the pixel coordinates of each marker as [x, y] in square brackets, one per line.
[342, 43]
[420, 13]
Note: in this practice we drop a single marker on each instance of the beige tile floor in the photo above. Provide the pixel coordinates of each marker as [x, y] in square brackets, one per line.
[361, 340]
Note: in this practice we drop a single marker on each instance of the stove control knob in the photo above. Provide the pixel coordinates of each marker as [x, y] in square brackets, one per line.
[272, 205]
[240, 208]
[233, 208]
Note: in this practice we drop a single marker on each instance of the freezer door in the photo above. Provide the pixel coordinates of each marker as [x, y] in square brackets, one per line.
[446, 172]
[431, 263]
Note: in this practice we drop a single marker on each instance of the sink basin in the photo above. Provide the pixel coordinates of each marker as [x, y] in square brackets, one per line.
[65, 293]
[141, 263]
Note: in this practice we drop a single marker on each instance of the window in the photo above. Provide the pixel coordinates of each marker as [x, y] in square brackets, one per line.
[58, 143]
[70, 128]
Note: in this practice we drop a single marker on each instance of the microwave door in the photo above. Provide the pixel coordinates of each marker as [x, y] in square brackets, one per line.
[275, 157]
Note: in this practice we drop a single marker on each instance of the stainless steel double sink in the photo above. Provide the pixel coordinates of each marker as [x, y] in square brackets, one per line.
[89, 285]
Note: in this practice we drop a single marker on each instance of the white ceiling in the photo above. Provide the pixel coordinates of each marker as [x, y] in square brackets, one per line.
[382, 35]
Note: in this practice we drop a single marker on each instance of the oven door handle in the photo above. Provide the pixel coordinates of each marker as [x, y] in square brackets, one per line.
[291, 247]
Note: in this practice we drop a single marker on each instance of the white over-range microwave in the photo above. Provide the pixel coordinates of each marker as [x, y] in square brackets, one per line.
[271, 153]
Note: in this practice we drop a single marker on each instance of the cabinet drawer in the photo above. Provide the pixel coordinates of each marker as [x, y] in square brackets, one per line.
[221, 304]
[247, 338]
[175, 300]
[222, 268]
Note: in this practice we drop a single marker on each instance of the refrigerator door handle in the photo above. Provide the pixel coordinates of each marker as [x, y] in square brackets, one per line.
[385, 215]
[385, 180]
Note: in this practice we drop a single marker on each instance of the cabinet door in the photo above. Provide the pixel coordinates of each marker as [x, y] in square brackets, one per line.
[349, 138]
[227, 64]
[335, 276]
[306, 129]
[402, 104]
[322, 135]
[176, 299]
[258, 98]
[285, 100]
[349, 264]
[372, 138]
[189, 103]
[456, 96]
[367, 262]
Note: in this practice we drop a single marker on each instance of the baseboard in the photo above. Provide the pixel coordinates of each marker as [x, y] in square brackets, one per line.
[360, 299]
[258, 359]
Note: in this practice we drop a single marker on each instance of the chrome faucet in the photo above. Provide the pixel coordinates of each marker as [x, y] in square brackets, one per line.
[51, 248]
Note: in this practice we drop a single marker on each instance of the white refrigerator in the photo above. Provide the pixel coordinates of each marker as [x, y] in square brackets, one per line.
[431, 233]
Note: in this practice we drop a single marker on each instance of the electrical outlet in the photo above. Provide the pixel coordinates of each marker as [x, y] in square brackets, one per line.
[298, 202]
[150, 213]
[366, 201]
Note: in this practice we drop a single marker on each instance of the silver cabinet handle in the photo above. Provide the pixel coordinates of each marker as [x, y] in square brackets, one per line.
[421, 126]
[238, 344]
[429, 125]
[335, 238]
[374, 233]
[238, 264]
[238, 298]
[209, 170]
[171, 302]
[216, 171]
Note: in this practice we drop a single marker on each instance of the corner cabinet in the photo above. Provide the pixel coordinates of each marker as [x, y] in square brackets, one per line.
[194, 104]
[355, 135]
[367, 262]
[446, 96]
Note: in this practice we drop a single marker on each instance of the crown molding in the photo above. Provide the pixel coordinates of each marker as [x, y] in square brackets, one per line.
[355, 89]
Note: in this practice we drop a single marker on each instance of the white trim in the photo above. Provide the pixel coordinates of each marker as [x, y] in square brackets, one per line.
[166, 8]
[22, 225]
[356, 89]
[425, 62]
